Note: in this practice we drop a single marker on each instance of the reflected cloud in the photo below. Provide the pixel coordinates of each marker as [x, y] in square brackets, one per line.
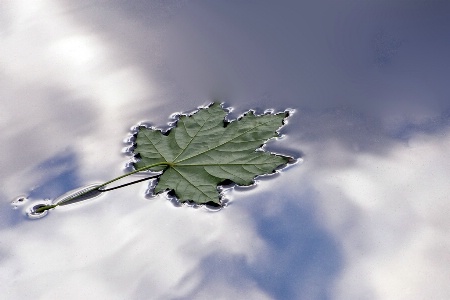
[61, 78]
[156, 246]
[364, 215]
[388, 213]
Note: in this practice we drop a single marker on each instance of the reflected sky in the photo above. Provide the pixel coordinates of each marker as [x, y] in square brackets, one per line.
[364, 215]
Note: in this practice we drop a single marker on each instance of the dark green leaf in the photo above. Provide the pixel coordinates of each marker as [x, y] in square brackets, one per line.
[202, 152]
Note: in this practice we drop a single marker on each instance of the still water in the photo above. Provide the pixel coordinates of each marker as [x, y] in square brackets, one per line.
[362, 215]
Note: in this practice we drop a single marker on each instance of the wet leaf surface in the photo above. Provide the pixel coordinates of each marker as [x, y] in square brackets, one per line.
[202, 151]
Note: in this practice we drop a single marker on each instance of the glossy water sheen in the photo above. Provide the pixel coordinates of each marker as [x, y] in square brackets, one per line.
[364, 216]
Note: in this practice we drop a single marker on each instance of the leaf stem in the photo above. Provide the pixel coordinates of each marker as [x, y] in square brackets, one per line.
[127, 184]
[47, 207]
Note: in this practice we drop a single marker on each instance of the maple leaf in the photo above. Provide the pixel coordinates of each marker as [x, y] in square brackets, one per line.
[203, 150]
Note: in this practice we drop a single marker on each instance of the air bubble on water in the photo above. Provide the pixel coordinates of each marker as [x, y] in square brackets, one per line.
[19, 201]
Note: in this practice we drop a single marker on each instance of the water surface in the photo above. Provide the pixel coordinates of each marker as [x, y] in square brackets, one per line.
[363, 216]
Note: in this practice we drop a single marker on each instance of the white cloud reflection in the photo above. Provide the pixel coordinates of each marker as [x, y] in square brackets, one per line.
[396, 246]
[363, 217]
[61, 81]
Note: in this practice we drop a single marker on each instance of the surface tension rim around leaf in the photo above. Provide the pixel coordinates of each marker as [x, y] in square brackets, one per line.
[248, 134]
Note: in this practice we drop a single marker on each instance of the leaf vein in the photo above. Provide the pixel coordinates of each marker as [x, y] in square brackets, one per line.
[253, 128]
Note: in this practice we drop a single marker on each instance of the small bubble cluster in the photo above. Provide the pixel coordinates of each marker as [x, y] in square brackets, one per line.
[19, 201]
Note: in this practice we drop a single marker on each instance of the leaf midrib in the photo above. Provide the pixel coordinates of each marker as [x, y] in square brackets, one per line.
[219, 164]
[195, 135]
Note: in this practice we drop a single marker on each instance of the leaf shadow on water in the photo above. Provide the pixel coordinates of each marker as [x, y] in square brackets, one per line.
[303, 260]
